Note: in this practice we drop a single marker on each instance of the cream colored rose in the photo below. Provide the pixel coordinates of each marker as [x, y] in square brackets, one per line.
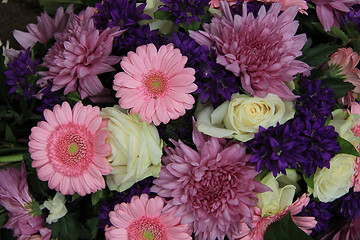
[56, 207]
[136, 148]
[241, 117]
[332, 183]
[283, 191]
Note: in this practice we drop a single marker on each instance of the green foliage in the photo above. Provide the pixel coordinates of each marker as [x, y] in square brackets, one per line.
[91, 225]
[309, 180]
[95, 197]
[67, 228]
[285, 229]
[50, 6]
[347, 147]
[317, 55]
[164, 15]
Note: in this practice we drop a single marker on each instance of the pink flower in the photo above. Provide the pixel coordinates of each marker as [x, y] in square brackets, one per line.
[327, 11]
[45, 29]
[260, 224]
[348, 59]
[155, 84]
[144, 218]
[16, 198]
[355, 109]
[261, 51]
[69, 149]
[216, 3]
[213, 187]
[350, 232]
[80, 53]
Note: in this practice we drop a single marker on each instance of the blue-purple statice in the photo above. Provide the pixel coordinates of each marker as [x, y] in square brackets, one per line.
[277, 148]
[251, 7]
[185, 10]
[322, 215]
[315, 102]
[215, 83]
[105, 206]
[20, 73]
[320, 141]
[49, 99]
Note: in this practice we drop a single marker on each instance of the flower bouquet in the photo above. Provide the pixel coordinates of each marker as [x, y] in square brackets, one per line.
[181, 119]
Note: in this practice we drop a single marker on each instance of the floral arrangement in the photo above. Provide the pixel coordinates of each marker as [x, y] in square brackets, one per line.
[181, 119]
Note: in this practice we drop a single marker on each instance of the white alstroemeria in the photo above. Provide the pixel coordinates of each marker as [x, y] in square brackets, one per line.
[56, 207]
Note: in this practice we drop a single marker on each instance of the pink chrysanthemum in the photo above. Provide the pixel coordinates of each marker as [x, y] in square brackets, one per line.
[144, 218]
[78, 56]
[45, 29]
[260, 50]
[16, 198]
[155, 84]
[260, 224]
[355, 109]
[69, 149]
[213, 187]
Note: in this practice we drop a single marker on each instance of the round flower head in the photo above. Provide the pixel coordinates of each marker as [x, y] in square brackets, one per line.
[261, 51]
[69, 149]
[212, 188]
[155, 84]
[143, 218]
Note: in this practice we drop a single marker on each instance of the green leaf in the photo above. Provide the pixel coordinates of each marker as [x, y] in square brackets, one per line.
[95, 197]
[337, 33]
[67, 228]
[194, 25]
[347, 147]
[163, 15]
[73, 97]
[9, 135]
[50, 6]
[11, 158]
[91, 225]
[285, 229]
[75, 196]
[309, 180]
[318, 54]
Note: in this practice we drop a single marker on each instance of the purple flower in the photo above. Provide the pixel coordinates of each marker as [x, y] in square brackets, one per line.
[106, 206]
[348, 205]
[320, 211]
[21, 69]
[215, 83]
[277, 148]
[252, 7]
[49, 99]
[353, 16]
[185, 10]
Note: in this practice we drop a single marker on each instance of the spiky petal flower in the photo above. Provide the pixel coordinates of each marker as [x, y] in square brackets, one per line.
[69, 149]
[144, 218]
[155, 84]
[15, 198]
[213, 187]
[78, 56]
[261, 51]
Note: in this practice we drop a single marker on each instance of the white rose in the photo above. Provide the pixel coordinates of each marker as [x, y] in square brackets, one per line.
[136, 148]
[275, 201]
[241, 117]
[332, 183]
[57, 208]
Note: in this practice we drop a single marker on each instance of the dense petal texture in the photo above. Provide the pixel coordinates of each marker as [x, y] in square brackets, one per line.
[69, 149]
[155, 83]
[213, 187]
[15, 198]
[261, 51]
[79, 54]
[144, 218]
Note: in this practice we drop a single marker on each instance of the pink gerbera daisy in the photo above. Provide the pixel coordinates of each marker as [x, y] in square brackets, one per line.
[155, 84]
[144, 218]
[262, 51]
[213, 188]
[69, 149]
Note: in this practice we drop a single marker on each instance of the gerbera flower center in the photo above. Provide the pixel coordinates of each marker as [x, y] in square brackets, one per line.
[156, 83]
[147, 228]
[71, 145]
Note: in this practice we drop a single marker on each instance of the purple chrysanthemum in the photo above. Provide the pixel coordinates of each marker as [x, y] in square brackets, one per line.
[320, 211]
[185, 10]
[315, 102]
[321, 145]
[277, 148]
[215, 83]
[105, 206]
[353, 16]
[119, 13]
[20, 70]
[349, 205]
[49, 99]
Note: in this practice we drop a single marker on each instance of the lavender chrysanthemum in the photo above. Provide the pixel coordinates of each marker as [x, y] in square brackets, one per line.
[262, 51]
[315, 102]
[215, 83]
[320, 211]
[105, 206]
[185, 10]
[277, 148]
[20, 70]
